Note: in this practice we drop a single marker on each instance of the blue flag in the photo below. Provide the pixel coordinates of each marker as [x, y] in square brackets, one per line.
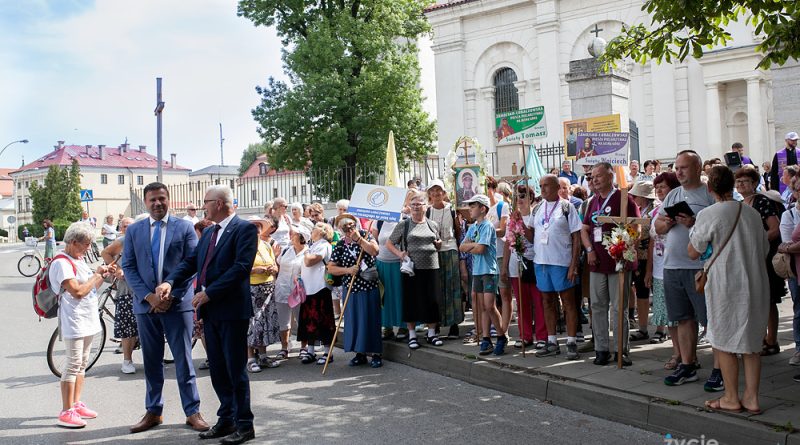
[534, 169]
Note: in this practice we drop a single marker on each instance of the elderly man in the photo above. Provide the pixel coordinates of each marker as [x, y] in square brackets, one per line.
[565, 192]
[557, 247]
[633, 175]
[566, 172]
[222, 261]
[603, 277]
[783, 157]
[684, 305]
[191, 214]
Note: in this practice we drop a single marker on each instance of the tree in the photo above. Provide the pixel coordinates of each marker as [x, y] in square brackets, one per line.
[250, 154]
[59, 197]
[688, 27]
[354, 76]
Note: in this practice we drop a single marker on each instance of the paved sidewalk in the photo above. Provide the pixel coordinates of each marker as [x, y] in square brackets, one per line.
[634, 395]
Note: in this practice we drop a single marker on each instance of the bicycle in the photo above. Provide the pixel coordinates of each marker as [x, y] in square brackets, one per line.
[31, 262]
[56, 356]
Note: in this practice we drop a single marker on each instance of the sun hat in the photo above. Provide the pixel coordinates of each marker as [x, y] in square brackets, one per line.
[643, 189]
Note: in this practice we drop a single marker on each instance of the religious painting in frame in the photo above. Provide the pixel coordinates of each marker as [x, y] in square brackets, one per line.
[467, 183]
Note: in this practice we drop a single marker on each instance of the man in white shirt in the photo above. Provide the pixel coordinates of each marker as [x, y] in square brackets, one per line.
[191, 214]
[556, 239]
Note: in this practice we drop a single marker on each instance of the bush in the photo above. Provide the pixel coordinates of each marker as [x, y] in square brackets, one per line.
[4, 232]
[61, 227]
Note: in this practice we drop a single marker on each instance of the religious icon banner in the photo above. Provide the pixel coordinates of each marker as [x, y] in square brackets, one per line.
[596, 147]
[468, 180]
[602, 124]
[520, 125]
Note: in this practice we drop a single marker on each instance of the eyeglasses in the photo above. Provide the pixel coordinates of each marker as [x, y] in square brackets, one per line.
[205, 201]
[743, 181]
[314, 213]
[416, 204]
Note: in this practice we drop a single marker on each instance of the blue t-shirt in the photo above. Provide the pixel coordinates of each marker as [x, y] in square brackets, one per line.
[52, 241]
[483, 233]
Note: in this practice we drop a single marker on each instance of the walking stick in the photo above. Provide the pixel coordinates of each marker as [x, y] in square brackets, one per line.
[344, 306]
[519, 309]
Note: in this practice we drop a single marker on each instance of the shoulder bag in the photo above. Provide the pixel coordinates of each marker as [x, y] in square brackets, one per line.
[701, 277]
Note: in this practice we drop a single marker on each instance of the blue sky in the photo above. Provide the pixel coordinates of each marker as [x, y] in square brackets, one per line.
[84, 72]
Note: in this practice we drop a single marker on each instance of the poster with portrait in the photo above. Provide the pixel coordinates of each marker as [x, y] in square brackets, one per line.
[596, 147]
[512, 127]
[601, 124]
[468, 183]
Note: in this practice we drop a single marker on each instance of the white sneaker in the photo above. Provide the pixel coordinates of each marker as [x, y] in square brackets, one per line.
[795, 360]
[127, 367]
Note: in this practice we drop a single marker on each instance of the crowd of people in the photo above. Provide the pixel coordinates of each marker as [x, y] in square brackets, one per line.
[241, 285]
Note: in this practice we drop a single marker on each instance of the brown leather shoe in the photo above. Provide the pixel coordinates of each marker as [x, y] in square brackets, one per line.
[197, 423]
[148, 421]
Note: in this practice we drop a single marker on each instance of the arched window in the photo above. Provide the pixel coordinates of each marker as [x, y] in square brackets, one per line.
[262, 169]
[506, 97]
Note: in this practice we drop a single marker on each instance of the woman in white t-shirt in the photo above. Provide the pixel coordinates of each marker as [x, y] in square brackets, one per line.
[316, 321]
[108, 231]
[78, 318]
[289, 262]
[281, 234]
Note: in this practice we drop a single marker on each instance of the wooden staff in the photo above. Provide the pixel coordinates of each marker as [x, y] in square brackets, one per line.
[344, 305]
[623, 213]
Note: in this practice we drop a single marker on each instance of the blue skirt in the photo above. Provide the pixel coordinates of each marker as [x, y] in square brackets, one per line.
[392, 312]
[362, 323]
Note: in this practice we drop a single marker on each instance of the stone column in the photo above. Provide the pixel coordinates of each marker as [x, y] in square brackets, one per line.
[713, 121]
[549, 81]
[593, 93]
[755, 120]
[485, 125]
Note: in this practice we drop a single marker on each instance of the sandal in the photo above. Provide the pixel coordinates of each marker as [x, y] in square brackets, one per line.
[639, 335]
[539, 345]
[435, 341]
[770, 349]
[268, 363]
[716, 405]
[283, 354]
[672, 363]
[321, 360]
[253, 367]
[658, 337]
[306, 358]
[413, 344]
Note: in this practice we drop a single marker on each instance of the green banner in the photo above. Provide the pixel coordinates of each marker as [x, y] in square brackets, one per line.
[520, 125]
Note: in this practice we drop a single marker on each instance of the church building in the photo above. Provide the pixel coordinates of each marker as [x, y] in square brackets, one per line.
[493, 56]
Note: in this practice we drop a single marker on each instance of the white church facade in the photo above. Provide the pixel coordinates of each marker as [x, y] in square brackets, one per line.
[492, 56]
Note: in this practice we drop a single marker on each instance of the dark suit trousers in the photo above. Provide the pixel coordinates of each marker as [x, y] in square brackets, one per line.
[226, 345]
[177, 326]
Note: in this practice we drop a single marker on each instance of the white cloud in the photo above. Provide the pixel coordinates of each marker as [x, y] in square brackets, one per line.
[86, 74]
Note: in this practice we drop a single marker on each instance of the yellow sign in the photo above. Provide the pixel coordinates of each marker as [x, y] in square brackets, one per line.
[602, 124]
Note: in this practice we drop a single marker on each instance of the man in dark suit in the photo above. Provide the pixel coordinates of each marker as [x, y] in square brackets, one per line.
[154, 247]
[223, 260]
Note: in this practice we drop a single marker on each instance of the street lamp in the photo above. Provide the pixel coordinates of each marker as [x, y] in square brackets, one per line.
[23, 141]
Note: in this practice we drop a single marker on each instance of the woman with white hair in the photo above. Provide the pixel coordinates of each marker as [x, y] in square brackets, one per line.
[316, 320]
[77, 318]
[362, 331]
[297, 217]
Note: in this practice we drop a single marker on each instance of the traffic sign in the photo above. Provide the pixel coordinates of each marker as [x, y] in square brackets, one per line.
[11, 219]
[87, 195]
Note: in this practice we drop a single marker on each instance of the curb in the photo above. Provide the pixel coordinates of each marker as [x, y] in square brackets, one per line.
[650, 413]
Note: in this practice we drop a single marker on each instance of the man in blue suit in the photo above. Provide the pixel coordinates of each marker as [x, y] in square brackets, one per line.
[222, 261]
[154, 247]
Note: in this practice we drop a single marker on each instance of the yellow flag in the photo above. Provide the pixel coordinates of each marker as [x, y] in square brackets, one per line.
[391, 171]
[622, 180]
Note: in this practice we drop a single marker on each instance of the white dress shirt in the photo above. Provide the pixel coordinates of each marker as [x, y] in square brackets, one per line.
[222, 225]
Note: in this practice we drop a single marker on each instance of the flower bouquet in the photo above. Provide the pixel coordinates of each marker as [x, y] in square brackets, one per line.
[515, 236]
[621, 245]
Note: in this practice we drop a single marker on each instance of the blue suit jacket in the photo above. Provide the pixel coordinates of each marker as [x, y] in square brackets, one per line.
[228, 273]
[137, 261]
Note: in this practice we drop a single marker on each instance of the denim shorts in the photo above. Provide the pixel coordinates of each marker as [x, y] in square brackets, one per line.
[486, 284]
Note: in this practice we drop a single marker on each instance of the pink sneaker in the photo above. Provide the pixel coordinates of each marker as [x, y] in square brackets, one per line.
[70, 419]
[83, 411]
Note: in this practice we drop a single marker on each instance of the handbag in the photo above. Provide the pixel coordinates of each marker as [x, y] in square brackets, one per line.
[528, 275]
[369, 274]
[701, 277]
[782, 263]
[298, 294]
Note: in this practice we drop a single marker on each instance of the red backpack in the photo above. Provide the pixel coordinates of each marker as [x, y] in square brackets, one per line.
[45, 296]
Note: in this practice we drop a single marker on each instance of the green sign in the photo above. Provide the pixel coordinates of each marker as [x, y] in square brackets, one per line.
[520, 125]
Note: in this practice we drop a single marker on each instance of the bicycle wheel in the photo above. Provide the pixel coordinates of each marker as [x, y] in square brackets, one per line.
[29, 265]
[56, 356]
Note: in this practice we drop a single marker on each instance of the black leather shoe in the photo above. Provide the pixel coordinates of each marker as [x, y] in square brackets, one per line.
[626, 361]
[239, 437]
[602, 357]
[219, 430]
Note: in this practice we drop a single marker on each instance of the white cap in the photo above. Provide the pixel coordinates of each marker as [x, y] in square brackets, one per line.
[302, 230]
[437, 183]
[480, 199]
[791, 135]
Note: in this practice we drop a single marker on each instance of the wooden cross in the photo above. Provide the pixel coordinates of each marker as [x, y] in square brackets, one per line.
[596, 31]
[622, 219]
[466, 153]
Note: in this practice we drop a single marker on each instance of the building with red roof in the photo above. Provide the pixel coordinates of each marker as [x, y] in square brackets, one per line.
[110, 172]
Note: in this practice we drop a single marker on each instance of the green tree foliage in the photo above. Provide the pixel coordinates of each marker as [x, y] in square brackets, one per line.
[354, 76]
[59, 197]
[250, 154]
[688, 27]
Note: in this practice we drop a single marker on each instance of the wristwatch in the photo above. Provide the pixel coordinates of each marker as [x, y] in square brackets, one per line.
[589, 249]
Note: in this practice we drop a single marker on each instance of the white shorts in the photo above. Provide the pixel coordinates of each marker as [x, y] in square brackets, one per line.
[285, 315]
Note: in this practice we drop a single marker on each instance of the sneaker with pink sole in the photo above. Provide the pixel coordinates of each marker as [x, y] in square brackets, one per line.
[84, 411]
[70, 419]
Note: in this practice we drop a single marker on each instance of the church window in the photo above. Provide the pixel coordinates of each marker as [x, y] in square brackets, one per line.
[506, 97]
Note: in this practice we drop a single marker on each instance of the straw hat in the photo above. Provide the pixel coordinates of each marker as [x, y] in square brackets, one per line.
[259, 221]
[344, 216]
[643, 189]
